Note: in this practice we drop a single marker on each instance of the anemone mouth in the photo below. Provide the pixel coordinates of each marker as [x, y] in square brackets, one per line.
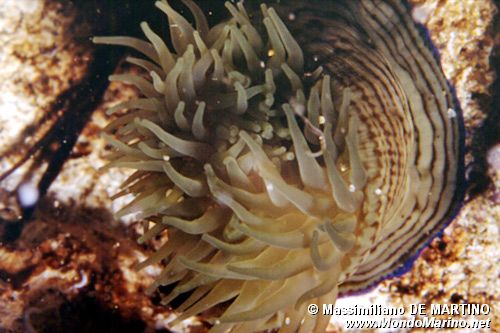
[277, 185]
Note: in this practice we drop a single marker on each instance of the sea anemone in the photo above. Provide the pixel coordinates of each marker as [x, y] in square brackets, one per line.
[285, 168]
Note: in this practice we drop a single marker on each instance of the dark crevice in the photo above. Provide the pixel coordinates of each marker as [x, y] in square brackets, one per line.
[488, 135]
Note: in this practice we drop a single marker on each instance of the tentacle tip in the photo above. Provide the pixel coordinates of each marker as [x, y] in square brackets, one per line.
[160, 4]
